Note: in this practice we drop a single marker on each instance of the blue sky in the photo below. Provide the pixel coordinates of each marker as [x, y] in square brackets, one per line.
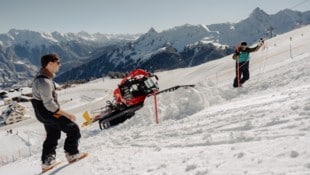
[129, 16]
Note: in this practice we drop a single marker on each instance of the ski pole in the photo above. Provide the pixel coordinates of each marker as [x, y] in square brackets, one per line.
[238, 71]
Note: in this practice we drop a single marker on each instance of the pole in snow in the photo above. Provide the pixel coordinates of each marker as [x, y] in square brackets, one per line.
[291, 53]
[238, 66]
[155, 103]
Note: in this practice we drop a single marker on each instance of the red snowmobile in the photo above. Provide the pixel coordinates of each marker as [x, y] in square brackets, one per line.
[129, 96]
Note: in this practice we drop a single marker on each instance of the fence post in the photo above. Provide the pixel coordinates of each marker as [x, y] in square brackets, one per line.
[291, 54]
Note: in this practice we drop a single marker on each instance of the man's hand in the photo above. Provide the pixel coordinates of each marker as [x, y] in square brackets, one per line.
[65, 114]
[71, 117]
[261, 42]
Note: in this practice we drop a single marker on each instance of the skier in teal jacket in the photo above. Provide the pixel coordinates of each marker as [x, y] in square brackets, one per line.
[242, 57]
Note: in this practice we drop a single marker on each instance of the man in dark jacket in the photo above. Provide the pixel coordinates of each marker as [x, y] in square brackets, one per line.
[242, 57]
[54, 119]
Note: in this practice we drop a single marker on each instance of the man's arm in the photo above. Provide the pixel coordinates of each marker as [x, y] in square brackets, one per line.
[259, 45]
[236, 54]
[254, 49]
[45, 88]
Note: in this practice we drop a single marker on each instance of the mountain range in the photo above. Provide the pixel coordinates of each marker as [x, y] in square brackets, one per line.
[85, 56]
[20, 51]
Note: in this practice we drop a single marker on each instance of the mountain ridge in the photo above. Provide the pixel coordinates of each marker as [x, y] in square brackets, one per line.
[187, 45]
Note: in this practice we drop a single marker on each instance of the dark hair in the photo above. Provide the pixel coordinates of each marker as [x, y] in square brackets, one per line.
[244, 43]
[45, 59]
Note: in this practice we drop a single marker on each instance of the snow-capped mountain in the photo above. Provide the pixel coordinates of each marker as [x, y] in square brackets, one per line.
[23, 48]
[93, 55]
[260, 25]
[178, 47]
[33, 39]
[187, 45]
[14, 71]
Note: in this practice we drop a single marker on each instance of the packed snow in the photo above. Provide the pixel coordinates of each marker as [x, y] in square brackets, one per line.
[262, 128]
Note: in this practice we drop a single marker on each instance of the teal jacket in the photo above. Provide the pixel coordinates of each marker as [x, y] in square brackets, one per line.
[244, 56]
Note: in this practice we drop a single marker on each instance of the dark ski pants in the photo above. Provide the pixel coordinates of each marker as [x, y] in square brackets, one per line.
[53, 127]
[53, 132]
[243, 71]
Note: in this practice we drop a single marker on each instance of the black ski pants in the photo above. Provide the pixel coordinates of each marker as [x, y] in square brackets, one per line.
[53, 127]
[244, 73]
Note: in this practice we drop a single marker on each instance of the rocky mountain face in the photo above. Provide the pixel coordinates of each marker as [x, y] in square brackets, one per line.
[21, 50]
[86, 56]
[260, 25]
[188, 45]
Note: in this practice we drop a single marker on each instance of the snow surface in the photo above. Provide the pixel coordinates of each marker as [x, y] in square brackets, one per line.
[261, 128]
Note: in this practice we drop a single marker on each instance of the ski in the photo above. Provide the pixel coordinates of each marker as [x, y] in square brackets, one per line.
[54, 169]
[80, 158]
[49, 168]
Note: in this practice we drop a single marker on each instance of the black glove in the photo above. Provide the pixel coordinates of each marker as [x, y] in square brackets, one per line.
[261, 42]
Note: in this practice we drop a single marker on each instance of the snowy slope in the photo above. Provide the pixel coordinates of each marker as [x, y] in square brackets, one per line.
[262, 128]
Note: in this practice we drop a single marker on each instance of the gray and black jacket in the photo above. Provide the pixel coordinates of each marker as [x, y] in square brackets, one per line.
[45, 102]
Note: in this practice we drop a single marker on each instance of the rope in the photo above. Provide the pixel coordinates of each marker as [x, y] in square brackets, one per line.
[264, 57]
[298, 4]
